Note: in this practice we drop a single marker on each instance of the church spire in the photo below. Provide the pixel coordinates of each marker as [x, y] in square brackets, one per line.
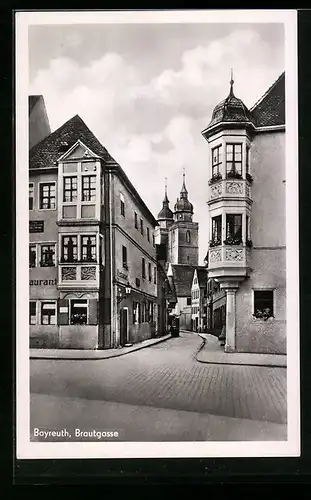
[184, 192]
[231, 94]
[166, 212]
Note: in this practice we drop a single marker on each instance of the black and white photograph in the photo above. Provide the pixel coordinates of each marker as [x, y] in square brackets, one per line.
[158, 315]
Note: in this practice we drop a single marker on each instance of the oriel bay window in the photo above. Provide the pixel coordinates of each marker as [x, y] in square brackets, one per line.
[88, 248]
[47, 192]
[70, 189]
[216, 231]
[234, 160]
[88, 187]
[48, 313]
[69, 249]
[47, 256]
[233, 229]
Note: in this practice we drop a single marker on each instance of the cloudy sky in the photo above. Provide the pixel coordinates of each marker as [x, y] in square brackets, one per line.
[147, 92]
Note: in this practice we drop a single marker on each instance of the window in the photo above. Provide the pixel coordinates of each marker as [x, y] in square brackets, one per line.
[173, 236]
[47, 256]
[188, 237]
[48, 313]
[233, 229]
[32, 313]
[150, 312]
[216, 230]
[234, 160]
[31, 193]
[78, 312]
[141, 226]
[216, 161]
[148, 234]
[248, 228]
[88, 187]
[136, 220]
[70, 189]
[263, 304]
[122, 204]
[143, 268]
[135, 312]
[88, 247]
[153, 240]
[32, 256]
[155, 275]
[149, 272]
[124, 257]
[143, 312]
[247, 160]
[47, 196]
[188, 301]
[69, 249]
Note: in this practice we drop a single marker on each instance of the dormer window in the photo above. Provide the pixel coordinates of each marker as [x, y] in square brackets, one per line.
[234, 160]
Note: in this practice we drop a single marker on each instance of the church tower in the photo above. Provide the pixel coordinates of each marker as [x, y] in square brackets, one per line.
[165, 220]
[183, 232]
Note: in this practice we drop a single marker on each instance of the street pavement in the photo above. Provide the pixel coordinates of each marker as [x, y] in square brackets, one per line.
[160, 393]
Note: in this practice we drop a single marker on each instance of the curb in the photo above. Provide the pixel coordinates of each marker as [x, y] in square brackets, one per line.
[231, 363]
[117, 355]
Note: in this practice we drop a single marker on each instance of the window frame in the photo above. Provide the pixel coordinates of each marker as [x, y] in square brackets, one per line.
[34, 245]
[36, 312]
[149, 272]
[74, 236]
[142, 227]
[148, 234]
[124, 260]
[154, 275]
[136, 220]
[236, 228]
[234, 162]
[216, 228]
[40, 186]
[31, 197]
[143, 268]
[71, 301]
[42, 245]
[72, 200]
[90, 189]
[259, 290]
[82, 246]
[47, 301]
[122, 205]
[216, 167]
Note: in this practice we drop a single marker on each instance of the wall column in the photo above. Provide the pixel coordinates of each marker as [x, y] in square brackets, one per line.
[230, 320]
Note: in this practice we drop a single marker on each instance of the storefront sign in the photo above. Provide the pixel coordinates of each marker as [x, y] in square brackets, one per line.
[64, 309]
[36, 226]
[43, 282]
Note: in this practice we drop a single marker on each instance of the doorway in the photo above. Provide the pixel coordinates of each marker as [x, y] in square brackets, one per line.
[123, 326]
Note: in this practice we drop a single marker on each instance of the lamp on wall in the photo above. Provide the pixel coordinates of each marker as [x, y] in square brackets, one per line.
[123, 294]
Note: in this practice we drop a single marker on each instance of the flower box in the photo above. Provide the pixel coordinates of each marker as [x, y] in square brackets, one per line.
[232, 174]
[215, 178]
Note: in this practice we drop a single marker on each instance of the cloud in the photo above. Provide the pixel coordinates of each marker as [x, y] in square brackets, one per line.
[152, 127]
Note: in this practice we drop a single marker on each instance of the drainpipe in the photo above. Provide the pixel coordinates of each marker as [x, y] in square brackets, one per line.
[111, 269]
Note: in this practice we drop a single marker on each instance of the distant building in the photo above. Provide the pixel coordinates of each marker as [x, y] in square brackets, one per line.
[199, 300]
[246, 200]
[179, 235]
[39, 125]
[92, 254]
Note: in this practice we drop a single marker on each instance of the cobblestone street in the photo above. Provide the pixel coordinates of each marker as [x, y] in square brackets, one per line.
[166, 376]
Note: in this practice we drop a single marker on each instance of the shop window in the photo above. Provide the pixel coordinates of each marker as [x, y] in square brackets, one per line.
[263, 304]
[234, 160]
[136, 220]
[149, 272]
[32, 312]
[88, 247]
[69, 249]
[141, 226]
[48, 313]
[31, 195]
[216, 161]
[47, 256]
[47, 196]
[32, 256]
[78, 311]
[88, 187]
[122, 204]
[216, 231]
[233, 229]
[124, 257]
[155, 275]
[143, 268]
[70, 189]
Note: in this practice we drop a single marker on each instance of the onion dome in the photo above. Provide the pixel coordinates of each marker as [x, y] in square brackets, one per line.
[166, 212]
[183, 204]
[230, 109]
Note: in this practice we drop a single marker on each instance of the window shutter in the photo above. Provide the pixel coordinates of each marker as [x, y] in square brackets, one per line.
[93, 312]
[63, 311]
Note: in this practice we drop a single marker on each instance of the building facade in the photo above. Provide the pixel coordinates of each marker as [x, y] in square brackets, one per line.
[199, 300]
[92, 252]
[247, 249]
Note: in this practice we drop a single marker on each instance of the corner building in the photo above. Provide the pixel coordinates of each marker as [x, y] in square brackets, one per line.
[247, 249]
[92, 255]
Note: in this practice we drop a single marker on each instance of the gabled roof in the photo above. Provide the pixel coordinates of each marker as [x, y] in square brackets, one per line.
[32, 100]
[182, 277]
[269, 110]
[46, 153]
[202, 276]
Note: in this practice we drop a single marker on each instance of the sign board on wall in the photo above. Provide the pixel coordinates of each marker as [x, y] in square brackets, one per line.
[36, 226]
[63, 309]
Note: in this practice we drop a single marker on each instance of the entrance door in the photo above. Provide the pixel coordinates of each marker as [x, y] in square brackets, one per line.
[123, 326]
